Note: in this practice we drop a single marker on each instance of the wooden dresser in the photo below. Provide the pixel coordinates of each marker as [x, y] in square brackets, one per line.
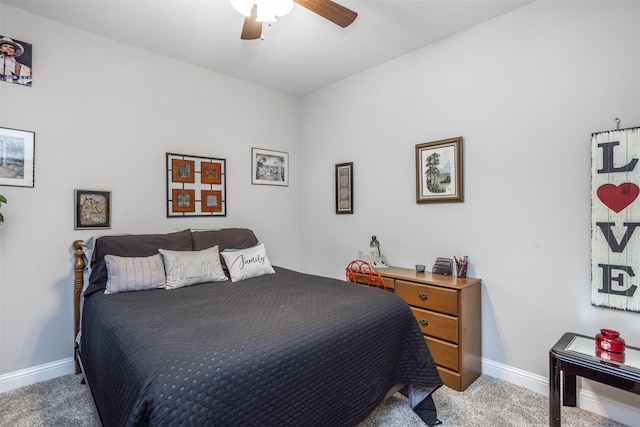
[448, 310]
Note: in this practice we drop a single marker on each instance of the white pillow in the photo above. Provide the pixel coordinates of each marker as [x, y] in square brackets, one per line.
[126, 274]
[184, 268]
[247, 263]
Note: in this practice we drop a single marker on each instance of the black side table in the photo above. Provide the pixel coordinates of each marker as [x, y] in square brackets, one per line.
[575, 355]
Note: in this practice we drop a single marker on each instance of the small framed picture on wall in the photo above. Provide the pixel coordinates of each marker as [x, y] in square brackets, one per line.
[15, 61]
[439, 171]
[17, 157]
[269, 167]
[93, 209]
[344, 188]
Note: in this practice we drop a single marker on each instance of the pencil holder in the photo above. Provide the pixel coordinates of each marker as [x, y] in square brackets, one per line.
[462, 270]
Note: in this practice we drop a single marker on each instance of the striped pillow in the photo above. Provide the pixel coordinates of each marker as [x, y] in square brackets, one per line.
[126, 274]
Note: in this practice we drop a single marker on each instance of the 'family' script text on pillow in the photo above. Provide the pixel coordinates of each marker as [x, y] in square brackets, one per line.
[247, 263]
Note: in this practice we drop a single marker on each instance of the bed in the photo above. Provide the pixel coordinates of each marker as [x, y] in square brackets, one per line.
[267, 346]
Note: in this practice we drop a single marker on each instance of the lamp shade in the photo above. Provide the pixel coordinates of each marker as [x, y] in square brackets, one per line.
[375, 243]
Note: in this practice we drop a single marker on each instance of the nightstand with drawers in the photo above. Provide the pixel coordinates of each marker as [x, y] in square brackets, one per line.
[448, 310]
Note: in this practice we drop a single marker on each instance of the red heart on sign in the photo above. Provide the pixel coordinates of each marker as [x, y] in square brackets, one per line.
[618, 197]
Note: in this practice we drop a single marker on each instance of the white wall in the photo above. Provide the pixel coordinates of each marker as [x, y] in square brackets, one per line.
[525, 90]
[104, 115]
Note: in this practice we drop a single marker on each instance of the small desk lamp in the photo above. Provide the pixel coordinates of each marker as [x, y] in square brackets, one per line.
[379, 261]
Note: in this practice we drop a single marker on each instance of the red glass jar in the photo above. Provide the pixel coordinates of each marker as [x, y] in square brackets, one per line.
[610, 341]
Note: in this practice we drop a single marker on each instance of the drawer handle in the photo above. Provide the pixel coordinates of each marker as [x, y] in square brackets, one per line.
[423, 297]
[424, 322]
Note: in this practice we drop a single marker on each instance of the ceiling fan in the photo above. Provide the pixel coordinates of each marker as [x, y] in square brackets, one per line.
[256, 13]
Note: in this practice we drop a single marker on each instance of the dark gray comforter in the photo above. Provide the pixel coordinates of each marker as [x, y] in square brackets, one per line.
[286, 349]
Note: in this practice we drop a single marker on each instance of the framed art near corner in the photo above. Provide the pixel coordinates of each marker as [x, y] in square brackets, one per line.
[269, 167]
[17, 148]
[196, 186]
[344, 188]
[93, 209]
[439, 171]
[15, 61]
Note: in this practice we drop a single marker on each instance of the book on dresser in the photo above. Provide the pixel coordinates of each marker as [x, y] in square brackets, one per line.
[448, 310]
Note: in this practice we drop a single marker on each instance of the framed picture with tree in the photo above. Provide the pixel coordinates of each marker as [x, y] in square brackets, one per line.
[439, 171]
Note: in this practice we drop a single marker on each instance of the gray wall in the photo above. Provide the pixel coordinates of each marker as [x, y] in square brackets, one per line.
[105, 124]
[525, 90]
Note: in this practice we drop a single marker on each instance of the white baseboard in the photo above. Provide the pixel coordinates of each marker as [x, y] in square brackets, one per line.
[587, 400]
[36, 374]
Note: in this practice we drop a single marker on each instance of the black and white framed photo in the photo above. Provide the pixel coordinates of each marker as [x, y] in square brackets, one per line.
[269, 167]
[93, 209]
[17, 149]
[344, 188]
[196, 186]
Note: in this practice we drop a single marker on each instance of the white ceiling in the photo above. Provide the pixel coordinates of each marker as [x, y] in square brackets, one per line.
[302, 52]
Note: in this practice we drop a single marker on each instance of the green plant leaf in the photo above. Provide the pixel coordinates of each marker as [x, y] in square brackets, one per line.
[2, 200]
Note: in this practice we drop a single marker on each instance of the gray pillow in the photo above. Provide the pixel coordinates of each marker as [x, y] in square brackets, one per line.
[126, 274]
[131, 245]
[224, 238]
[185, 268]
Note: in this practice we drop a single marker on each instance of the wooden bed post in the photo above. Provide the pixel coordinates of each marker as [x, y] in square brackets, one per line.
[78, 281]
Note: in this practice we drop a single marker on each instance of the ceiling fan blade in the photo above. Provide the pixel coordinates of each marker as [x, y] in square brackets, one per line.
[252, 29]
[330, 10]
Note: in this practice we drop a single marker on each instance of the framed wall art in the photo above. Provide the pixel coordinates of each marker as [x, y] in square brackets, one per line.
[615, 217]
[344, 188]
[196, 186]
[15, 61]
[93, 209]
[269, 167]
[439, 171]
[17, 149]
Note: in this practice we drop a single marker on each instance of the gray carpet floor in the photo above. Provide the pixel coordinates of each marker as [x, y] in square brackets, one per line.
[65, 402]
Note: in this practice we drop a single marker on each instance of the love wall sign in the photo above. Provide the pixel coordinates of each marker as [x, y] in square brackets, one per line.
[615, 216]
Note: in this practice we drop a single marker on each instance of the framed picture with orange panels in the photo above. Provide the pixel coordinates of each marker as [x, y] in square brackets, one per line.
[212, 172]
[196, 186]
[211, 200]
[182, 170]
[183, 200]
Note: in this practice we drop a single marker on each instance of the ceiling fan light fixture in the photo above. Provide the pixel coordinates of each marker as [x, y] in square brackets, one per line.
[242, 6]
[267, 10]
